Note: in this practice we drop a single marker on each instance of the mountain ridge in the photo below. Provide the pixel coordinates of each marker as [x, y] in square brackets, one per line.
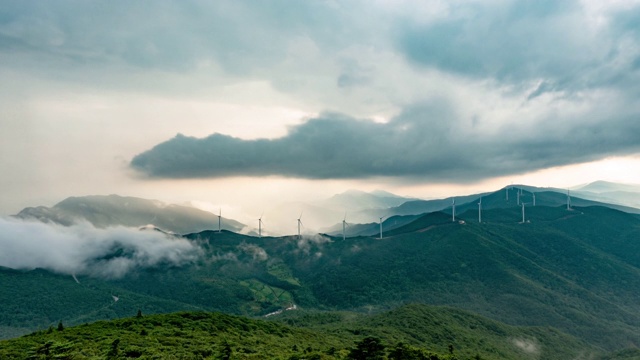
[115, 210]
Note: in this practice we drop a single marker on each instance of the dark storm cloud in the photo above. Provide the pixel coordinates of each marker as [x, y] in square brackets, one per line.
[427, 142]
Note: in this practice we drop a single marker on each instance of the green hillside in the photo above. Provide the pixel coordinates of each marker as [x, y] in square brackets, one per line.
[575, 270]
[537, 273]
[38, 299]
[423, 330]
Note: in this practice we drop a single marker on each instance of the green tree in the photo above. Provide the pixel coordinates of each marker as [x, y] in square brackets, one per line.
[226, 351]
[60, 326]
[405, 352]
[115, 350]
[369, 348]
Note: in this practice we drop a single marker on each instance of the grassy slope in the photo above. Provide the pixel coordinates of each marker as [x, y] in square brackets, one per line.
[203, 335]
[437, 327]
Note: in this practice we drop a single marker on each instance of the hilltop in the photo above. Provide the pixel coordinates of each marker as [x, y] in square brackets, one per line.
[114, 210]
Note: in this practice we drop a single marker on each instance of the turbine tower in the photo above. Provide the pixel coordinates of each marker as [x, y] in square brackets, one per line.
[480, 210]
[260, 226]
[568, 199]
[507, 192]
[219, 221]
[344, 227]
[381, 226]
[299, 224]
[453, 210]
[518, 198]
[534, 199]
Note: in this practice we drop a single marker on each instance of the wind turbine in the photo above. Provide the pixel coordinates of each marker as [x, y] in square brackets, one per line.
[381, 226]
[534, 199]
[299, 224]
[523, 213]
[480, 210]
[260, 226]
[220, 221]
[453, 210]
[568, 199]
[344, 226]
[507, 192]
[518, 194]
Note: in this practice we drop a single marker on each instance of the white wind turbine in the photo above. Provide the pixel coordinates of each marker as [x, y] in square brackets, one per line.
[534, 199]
[480, 210]
[381, 226]
[299, 225]
[344, 226]
[220, 221]
[260, 226]
[568, 199]
[453, 210]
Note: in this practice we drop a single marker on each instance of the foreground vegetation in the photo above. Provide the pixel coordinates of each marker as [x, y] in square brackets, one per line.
[411, 332]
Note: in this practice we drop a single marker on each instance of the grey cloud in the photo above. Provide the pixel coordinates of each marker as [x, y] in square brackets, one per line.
[427, 142]
[256, 252]
[509, 40]
[169, 35]
[353, 74]
[523, 41]
[306, 243]
[83, 249]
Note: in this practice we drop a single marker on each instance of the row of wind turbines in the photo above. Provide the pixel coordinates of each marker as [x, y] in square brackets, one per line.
[300, 225]
[518, 193]
[345, 224]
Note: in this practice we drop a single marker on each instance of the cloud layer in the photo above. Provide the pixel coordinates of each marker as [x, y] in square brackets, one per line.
[459, 90]
[83, 249]
[509, 87]
[433, 142]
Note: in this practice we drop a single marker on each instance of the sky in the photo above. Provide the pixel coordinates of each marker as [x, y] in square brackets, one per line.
[243, 104]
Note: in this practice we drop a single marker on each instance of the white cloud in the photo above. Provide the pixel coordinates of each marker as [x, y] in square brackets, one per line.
[83, 249]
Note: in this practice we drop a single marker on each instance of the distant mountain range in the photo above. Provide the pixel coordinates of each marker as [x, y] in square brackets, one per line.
[318, 216]
[362, 210]
[114, 210]
[397, 216]
[355, 200]
[608, 192]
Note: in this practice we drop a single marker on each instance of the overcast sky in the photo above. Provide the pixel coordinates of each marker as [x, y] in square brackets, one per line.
[244, 103]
